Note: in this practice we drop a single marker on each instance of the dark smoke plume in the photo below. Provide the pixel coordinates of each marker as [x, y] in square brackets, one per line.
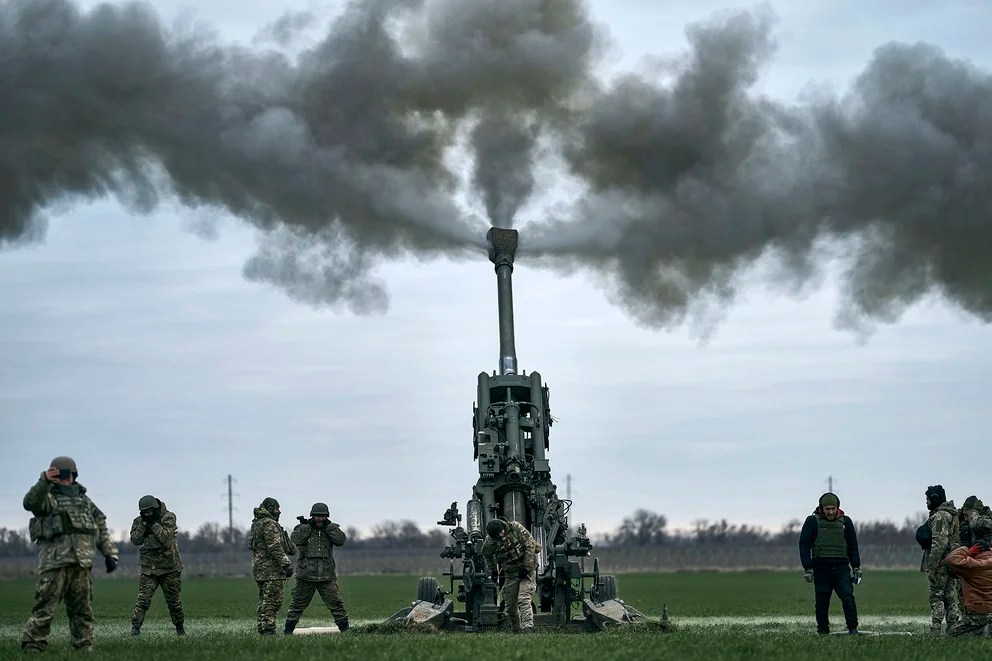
[504, 165]
[342, 156]
[693, 179]
[338, 155]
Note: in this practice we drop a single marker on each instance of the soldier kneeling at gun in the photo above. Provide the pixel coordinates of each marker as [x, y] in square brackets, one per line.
[512, 550]
[316, 538]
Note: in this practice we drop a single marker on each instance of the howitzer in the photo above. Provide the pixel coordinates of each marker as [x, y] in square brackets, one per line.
[511, 426]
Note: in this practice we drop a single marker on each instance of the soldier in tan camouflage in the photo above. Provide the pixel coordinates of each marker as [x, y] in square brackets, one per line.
[154, 530]
[976, 517]
[510, 549]
[270, 563]
[316, 570]
[944, 536]
[68, 529]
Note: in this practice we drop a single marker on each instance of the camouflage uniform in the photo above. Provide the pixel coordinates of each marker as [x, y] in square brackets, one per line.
[316, 572]
[514, 554]
[980, 521]
[943, 589]
[270, 566]
[161, 566]
[68, 529]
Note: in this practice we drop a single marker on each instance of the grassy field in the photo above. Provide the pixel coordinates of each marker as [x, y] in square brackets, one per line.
[755, 615]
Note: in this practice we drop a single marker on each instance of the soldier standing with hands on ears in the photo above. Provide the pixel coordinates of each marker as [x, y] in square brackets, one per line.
[154, 530]
[68, 528]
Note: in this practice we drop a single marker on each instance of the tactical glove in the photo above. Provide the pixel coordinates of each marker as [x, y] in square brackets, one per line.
[494, 576]
[523, 573]
[856, 576]
[301, 519]
[808, 576]
[110, 562]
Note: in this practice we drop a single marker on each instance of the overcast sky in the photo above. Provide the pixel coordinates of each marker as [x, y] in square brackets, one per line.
[134, 344]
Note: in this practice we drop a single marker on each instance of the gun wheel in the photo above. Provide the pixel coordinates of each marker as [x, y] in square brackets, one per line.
[607, 587]
[427, 589]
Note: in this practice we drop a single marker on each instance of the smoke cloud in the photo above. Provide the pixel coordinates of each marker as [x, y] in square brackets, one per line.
[342, 155]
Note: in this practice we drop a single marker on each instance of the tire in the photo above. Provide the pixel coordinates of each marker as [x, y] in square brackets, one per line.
[608, 587]
[427, 589]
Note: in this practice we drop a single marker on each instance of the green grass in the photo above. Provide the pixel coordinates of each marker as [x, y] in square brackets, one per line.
[761, 615]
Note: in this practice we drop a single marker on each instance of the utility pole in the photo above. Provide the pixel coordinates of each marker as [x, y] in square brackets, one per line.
[230, 510]
[830, 483]
[568, 486]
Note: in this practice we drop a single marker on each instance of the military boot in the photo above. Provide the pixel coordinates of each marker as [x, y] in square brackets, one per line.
[135, 631]
[290, 626]
[342, 624]
[180, 630]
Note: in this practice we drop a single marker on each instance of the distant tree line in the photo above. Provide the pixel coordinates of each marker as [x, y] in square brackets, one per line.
[642, 528]
[216, 538]
[647, 528]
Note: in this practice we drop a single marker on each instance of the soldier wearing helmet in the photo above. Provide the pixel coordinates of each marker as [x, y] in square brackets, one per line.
[154, 530]
[511, 550]
[68, 528]
[316, 538]
[270, 563]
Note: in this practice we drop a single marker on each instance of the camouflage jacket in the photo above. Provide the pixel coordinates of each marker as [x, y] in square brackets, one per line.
[944, 524]
[67, 526]
[516, 550]
[981, 523]
[271, 548]
[316, 547]
[159, 551]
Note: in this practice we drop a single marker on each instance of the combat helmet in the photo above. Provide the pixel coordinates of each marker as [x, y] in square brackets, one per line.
[495, 527]
[65, 463]
[320, 509]
[270, 505]
[147, 503]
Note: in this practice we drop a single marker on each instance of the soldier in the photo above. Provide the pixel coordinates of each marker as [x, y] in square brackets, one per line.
[976, 519]
[944, 532]
[316, 538]
[974, 567]
[828, 549]
[270, 564]
[68, 529]
[510, 549]
[154, 530]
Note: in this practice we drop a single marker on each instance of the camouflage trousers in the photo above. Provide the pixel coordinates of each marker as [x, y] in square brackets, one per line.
[72, 584]
[270, 597]
[943, 598]
[518, 593]
[976, 624]
[171, 584]
[329, 593]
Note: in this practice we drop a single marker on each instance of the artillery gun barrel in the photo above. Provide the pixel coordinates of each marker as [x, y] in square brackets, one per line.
[502, 248]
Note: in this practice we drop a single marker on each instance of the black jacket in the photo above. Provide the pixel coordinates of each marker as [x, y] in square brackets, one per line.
[808, 535]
